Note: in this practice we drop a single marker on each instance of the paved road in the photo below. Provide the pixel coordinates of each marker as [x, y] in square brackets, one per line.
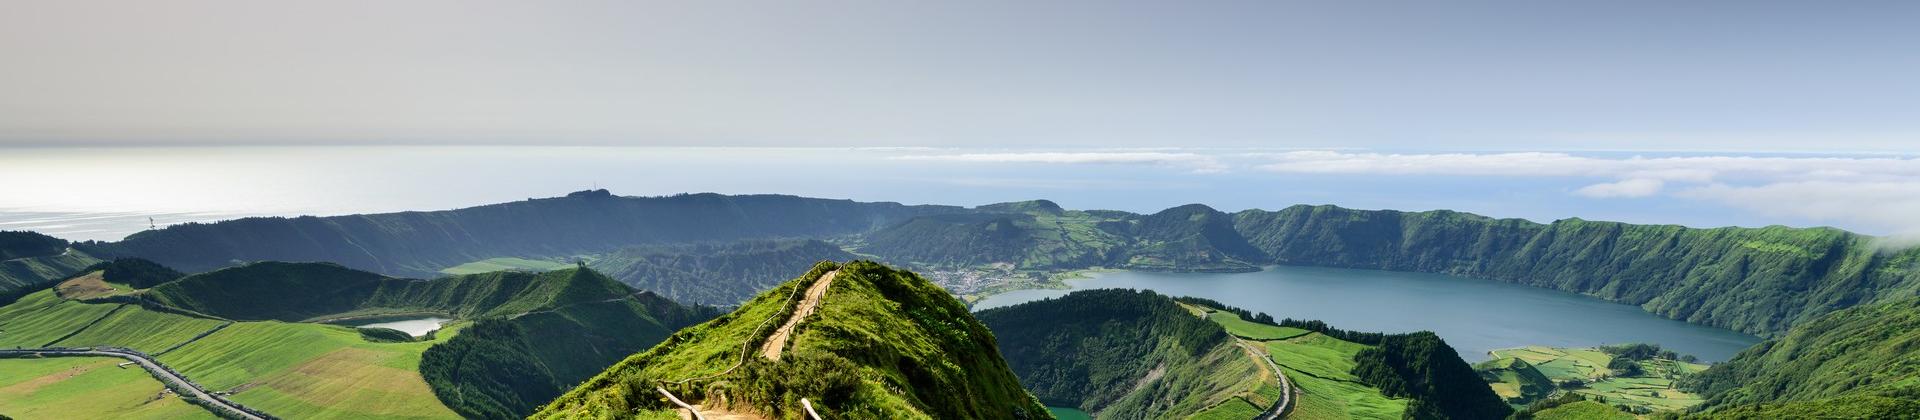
[153, 367]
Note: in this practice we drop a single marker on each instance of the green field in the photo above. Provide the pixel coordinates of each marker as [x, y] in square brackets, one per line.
[1250, 330]
[1234, 409]
[86, 388]
[1583, 410]
[1321, 366]
[504, 263]
[319, 371]
[315, 370]
[40, 318]
[1653, 388]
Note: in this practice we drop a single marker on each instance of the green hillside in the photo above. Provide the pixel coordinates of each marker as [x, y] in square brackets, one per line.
[723, 274]
[1864, 360]
[506, 368]
[310, 291]
[1127, 354]
[567, 324]
[881, 343]
[23, 244]
[21, 276]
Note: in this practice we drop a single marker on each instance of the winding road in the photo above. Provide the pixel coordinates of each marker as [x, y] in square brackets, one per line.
[159, 372]
[1279, 408]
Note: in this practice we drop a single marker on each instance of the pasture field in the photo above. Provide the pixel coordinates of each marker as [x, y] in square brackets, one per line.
[1250, 330]
[1583, 410]
[504, 263]
[321, 371]
[1234, 409]
[1653, 388]
[40, 318]
[89, 286]
[1321, 366]
[140, 329]
[86, 388]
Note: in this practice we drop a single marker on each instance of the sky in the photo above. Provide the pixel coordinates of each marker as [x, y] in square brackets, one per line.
[1470, 75]
[1703, 113]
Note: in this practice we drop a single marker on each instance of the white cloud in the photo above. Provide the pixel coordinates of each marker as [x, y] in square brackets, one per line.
[1197, 163]
[1880, 194]
[1637, 187]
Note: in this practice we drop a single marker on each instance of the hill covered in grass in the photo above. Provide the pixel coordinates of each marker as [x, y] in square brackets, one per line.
[1864, 361]
[879, 343]
[720, 274]
[1128, 354]
[309, 291]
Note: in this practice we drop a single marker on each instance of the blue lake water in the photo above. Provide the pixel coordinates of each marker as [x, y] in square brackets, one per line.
[1473, 315]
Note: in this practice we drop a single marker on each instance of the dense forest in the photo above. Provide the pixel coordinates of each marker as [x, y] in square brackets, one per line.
[1863, 360]
[20, 244]
[719, 274]
[1422, 367]
[1091, 349]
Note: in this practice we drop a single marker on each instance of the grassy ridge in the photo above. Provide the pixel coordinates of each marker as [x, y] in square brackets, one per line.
[885, 344]
[41, 318]
[86, 388]
[24, 275]
[306, 291]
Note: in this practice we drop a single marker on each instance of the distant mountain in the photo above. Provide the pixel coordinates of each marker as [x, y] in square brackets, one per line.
[1756, 280]
[588, 222]
[1862, 362]
[858, 340]
[30, 260]
[720, 274]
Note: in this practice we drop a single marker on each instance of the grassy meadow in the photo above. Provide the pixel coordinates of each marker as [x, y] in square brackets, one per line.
[1317, 364]
[1584, 371]
[86, 388]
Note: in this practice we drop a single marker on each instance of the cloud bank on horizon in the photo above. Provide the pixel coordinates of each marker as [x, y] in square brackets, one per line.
[1880, 193]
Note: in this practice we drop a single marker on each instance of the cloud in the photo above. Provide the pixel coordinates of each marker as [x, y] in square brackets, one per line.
[1890, 206]
[1198, 163]
[1698, 169]
[1879, 194]
[1637, 187]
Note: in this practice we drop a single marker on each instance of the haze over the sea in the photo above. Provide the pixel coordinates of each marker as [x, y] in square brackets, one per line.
[106, 193]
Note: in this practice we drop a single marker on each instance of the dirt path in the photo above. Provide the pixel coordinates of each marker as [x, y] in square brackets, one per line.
[1279, 408]
[777, 342]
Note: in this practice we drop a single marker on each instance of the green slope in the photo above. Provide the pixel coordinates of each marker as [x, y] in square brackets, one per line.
[1127, 354]
[86, 388]
[21, 276]
[882, 344]
[1860, 360]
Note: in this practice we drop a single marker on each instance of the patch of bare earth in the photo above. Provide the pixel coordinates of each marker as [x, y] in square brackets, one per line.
[777, 342]
[91, 285]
